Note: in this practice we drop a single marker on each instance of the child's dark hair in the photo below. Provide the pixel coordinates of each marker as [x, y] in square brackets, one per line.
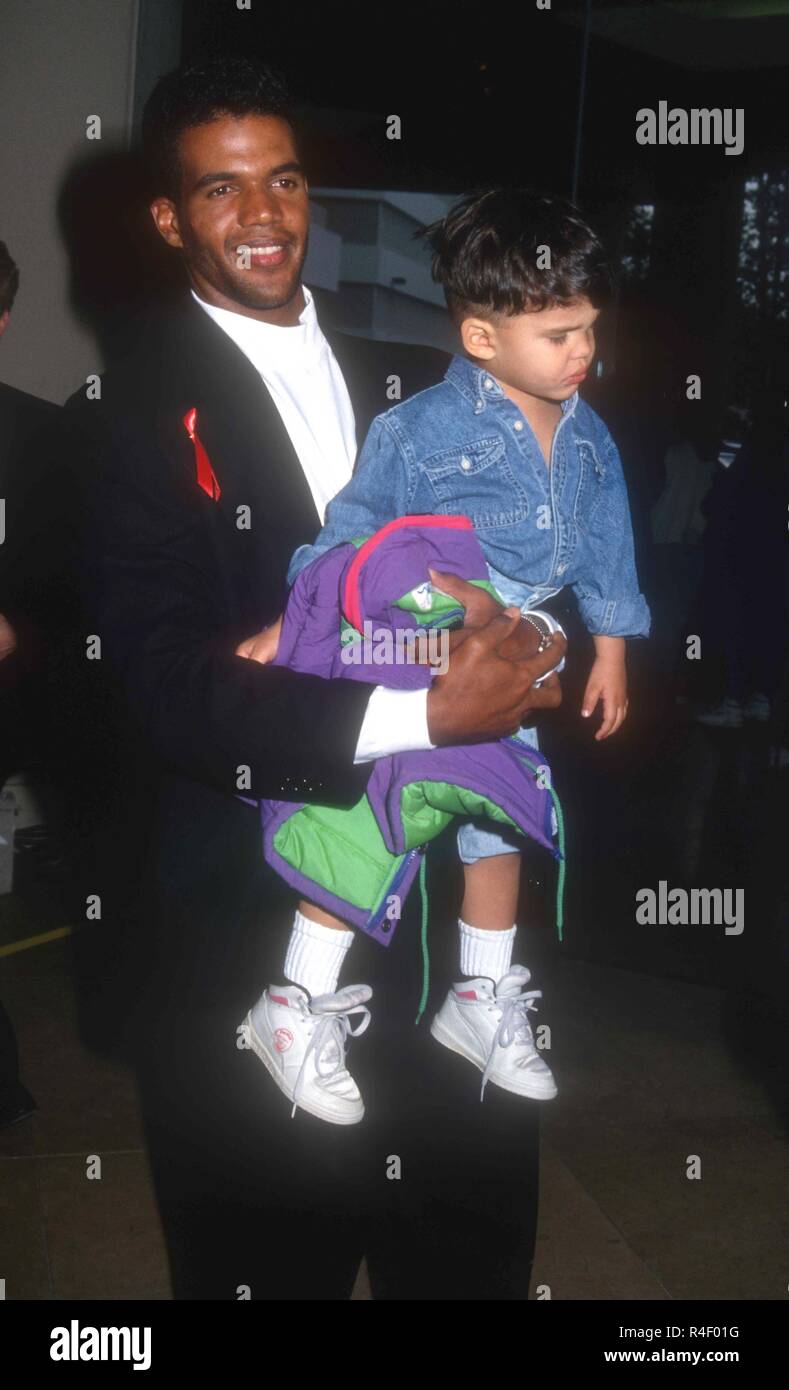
[488, 250]
[227, 85]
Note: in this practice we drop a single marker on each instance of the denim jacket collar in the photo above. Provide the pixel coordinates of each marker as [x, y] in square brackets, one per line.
[482, 390]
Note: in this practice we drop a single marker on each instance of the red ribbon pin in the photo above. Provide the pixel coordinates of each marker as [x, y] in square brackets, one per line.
[206, 477]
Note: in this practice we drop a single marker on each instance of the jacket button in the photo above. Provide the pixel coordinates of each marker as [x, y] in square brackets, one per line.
[465, 464]
[519, 424]
[488, 383]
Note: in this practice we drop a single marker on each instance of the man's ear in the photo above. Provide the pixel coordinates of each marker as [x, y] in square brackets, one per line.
[4, 317]
[165, 217]
[478, 337]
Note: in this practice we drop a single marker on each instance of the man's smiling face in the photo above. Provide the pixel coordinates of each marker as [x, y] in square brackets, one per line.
[241, 186]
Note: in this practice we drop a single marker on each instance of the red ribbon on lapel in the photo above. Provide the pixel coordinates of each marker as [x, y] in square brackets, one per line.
[206, 477]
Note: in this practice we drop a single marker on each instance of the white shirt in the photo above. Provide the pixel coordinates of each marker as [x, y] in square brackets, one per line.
[305, 382]
[301, 373]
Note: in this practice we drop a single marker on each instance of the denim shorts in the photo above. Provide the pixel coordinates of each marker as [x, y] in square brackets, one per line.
[476, 839]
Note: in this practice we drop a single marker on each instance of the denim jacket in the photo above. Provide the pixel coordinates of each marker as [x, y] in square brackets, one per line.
[463, 447]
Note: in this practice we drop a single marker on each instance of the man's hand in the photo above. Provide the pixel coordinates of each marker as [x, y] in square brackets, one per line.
[480, 607]
[263, 646]
[484, 695]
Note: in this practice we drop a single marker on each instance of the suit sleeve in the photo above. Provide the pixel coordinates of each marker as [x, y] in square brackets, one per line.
[378, 492]
[152, 596]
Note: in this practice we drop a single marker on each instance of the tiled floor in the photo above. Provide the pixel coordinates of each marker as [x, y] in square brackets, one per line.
[648, 1077]
[648, 1083]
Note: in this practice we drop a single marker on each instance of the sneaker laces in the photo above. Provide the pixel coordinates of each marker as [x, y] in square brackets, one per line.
[514, 1025]
[333, 1028]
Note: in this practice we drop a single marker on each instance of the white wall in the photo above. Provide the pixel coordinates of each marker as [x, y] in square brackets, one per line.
[60, 62]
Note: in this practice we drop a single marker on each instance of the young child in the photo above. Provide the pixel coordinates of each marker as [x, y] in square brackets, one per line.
[507, 441]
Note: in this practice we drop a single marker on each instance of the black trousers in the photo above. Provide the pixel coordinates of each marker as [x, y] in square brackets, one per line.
[438, 1190]
[9, 1057]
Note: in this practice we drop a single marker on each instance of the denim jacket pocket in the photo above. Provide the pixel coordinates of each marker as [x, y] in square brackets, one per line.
[591, 484]
[476, 480]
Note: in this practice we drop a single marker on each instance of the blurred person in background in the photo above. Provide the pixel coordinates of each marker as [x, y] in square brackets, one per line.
[744, 592]
[29, 556]
[23, 568]
[677, 524]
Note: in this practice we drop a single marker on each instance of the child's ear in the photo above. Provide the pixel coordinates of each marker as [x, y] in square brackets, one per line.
[478, 337]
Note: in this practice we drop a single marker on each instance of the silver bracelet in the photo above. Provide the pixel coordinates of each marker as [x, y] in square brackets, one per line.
[541, 628]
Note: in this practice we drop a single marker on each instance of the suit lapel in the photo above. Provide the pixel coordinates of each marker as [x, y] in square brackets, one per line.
[249, 447]
[192, 363]
[360, 362]
[265, 509]
[372, 368]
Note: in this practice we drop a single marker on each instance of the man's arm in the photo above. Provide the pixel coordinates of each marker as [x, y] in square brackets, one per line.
[483, 695]
[156, 603]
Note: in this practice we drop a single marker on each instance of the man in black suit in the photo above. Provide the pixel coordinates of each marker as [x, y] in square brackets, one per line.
[203, 466]
[29, 606]
[29, 551]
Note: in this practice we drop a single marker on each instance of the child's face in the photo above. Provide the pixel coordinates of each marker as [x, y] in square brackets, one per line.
[545, 353]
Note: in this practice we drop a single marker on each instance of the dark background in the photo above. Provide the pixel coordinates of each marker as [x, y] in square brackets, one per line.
[493, 95]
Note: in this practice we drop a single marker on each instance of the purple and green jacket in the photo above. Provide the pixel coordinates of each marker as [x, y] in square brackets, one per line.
[360, 863]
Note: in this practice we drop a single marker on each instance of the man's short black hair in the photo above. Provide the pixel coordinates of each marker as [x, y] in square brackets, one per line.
[227, 85]
[488, 250]
[9, 278]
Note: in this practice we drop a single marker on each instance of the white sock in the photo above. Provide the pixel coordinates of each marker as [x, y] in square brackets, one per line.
[487, 953]
[315, 955]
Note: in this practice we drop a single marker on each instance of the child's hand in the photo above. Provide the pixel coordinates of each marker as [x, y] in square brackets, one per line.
[607, 682]
[263, 646]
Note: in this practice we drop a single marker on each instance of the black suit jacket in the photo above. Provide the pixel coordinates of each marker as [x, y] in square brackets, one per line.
[31, 550]
[174, 583]
[35, 590]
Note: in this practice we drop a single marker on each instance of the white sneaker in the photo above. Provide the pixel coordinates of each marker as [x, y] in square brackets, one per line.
[727, 714]
[301, 1042]
[488, 1024]
[757, 707]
